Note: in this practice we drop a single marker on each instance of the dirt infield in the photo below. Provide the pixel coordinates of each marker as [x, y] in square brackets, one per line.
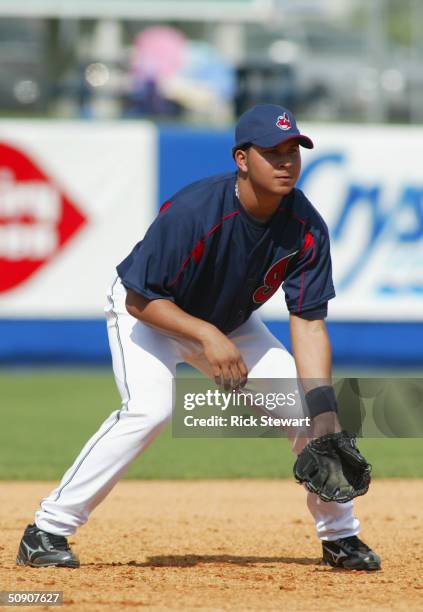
[211, 545]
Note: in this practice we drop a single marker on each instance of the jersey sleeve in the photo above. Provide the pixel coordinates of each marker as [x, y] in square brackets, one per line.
[156, 262]
[309, 284]
[319, 312]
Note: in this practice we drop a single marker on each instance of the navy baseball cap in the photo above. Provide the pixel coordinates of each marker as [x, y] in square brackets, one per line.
[267, 125]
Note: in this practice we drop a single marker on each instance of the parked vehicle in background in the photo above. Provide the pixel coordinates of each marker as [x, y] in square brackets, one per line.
[335, 73]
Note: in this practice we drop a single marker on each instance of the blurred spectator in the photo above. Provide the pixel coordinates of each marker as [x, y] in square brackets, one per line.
[205, 86]
[158, 54]
[173, 76]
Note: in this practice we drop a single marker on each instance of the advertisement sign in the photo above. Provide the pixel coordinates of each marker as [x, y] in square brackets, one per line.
[368, 185]
[76, 196]
[74, 199]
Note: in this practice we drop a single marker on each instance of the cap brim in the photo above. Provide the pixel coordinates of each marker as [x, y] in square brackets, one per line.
[272, 141]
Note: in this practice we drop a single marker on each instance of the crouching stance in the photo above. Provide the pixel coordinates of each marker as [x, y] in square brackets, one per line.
[189, 292]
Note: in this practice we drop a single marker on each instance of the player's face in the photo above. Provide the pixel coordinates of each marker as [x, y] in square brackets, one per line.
[275, 169]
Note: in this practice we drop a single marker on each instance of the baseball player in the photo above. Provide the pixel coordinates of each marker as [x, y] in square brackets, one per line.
[188, 292]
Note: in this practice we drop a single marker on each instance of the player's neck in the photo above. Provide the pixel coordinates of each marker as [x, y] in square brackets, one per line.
[259, 204]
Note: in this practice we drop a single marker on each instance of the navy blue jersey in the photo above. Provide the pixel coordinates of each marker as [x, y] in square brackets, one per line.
[215, 261]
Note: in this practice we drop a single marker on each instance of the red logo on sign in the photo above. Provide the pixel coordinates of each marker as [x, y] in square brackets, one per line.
[36, 218]
[284, 122]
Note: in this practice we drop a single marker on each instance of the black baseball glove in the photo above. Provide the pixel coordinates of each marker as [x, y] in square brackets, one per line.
[333, 467]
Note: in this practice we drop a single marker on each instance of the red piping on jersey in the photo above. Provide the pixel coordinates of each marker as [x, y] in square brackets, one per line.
[221, 221]
[184, 263]
[308, 243]
[198, 250]
[165, 205]
[298, 219]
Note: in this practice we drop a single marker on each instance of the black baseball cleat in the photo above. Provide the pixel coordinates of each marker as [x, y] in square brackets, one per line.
[39, 548]
[350, 553]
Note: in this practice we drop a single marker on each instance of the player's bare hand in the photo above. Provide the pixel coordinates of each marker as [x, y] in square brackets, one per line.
[226, 362]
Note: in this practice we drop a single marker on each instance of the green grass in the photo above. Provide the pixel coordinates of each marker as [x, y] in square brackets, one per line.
[47, 416]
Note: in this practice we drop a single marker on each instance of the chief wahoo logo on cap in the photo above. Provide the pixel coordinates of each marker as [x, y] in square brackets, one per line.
[284, 122]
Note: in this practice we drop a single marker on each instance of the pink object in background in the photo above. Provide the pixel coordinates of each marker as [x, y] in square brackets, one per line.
[159, 53]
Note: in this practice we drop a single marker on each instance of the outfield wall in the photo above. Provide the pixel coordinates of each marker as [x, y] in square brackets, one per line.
[75, 197]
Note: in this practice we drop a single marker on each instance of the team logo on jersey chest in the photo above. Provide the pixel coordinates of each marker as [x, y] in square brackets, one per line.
[273, 279]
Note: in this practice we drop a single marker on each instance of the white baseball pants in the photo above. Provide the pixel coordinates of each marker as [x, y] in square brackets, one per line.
[144, 365]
